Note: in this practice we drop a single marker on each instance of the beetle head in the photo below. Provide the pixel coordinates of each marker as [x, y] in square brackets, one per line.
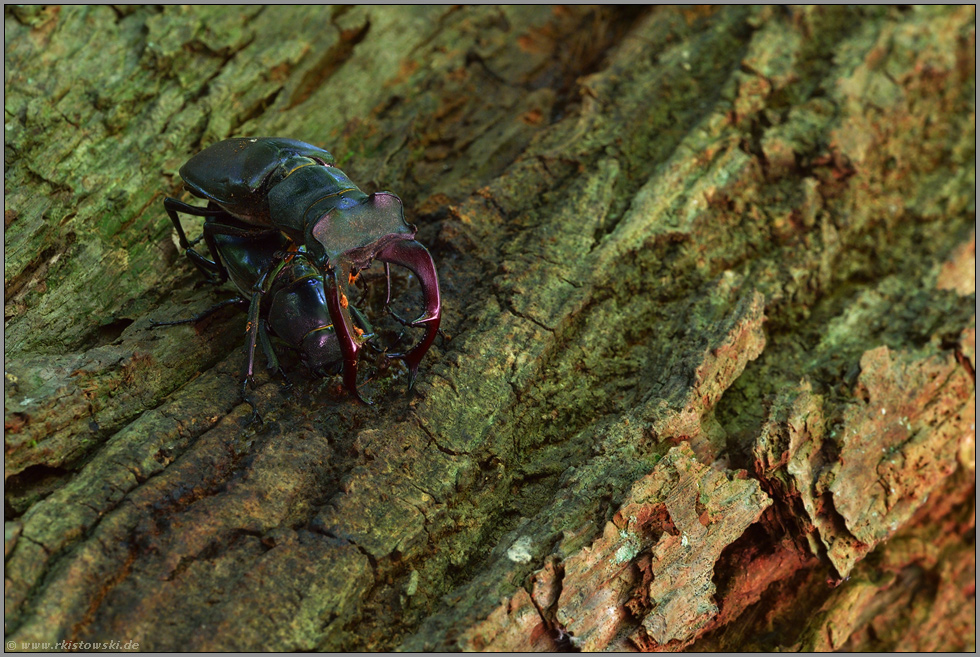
[356, 228]
[356, 231]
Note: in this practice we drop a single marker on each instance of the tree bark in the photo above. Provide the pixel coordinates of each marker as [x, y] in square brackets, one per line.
[707, 381]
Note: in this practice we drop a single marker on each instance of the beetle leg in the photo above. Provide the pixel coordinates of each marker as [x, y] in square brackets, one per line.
[362, 322]
[254, 328]
[173, 206]
[210, 268]
[251, 331]
[387, 306]
[251, 338]
[387, 284]
[270, 353]
[350, 341]
[215, 224]
[415, 257]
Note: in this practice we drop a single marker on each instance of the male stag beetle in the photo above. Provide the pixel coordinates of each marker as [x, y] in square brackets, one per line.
[275, 202]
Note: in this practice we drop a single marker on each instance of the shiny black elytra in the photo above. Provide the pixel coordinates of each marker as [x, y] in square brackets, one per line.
[279, 208]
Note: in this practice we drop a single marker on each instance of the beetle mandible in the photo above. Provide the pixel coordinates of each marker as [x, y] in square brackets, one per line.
[274, 189]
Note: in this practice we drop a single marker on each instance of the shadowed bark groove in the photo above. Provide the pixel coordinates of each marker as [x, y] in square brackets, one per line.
[708, 379]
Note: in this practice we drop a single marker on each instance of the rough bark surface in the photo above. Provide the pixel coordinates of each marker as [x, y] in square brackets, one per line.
[708, 377]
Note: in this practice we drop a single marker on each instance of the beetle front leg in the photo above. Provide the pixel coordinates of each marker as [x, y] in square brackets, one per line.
[387, 306]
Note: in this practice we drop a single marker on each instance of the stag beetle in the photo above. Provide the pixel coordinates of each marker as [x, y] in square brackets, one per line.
[296, 311]
[272, 202]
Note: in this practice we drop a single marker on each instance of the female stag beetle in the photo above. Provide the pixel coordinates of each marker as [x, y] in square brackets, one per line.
[274, 202]
[295, 311]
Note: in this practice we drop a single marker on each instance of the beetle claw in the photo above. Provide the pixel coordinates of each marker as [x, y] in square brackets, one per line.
[287, 385]
[255, 411]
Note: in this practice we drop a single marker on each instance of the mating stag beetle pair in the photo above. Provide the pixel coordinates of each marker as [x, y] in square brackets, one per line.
[283, 223]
